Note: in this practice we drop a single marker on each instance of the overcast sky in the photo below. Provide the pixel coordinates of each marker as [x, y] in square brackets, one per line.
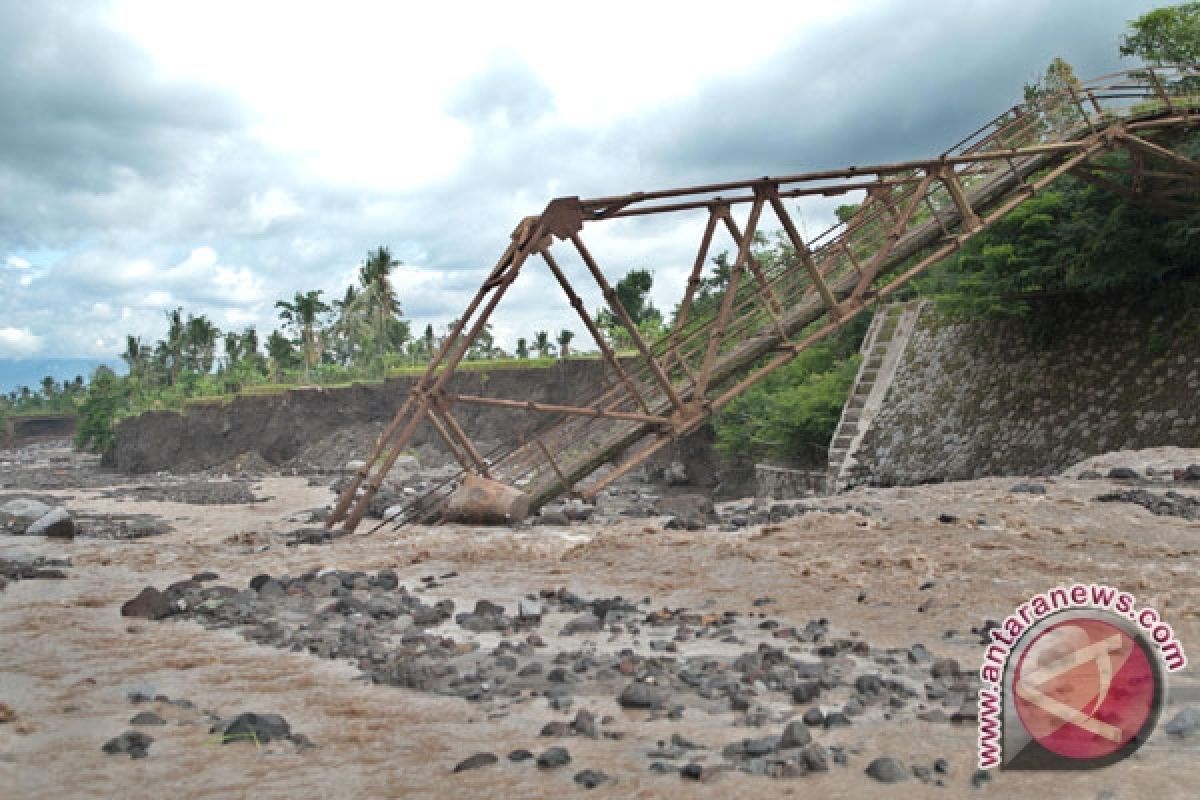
[222, 155]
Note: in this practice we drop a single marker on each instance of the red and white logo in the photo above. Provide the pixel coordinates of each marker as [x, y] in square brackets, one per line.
[1085, 688]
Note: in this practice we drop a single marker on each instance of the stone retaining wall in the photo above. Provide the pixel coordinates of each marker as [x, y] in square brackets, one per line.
[1035, 394]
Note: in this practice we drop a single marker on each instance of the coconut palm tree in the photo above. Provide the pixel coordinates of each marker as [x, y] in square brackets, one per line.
[543, 345]
[168, 353]
[302, 315]
[382, 304]
[136, 357]
[564, 342]
[200, 343]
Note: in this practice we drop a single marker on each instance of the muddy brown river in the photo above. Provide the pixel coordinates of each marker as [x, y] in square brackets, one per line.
[893, 577]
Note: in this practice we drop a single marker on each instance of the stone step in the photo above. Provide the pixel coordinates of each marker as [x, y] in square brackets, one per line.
[851, 416]
[875, 362]
[843, 441]
[858, 401]
[869, 375]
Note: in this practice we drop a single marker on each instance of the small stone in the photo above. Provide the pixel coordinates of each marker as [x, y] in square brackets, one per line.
[555, 728]
[584, 724]
[641, 695]
[520, 755]
[590, 778]
[805, 692]
[529, 609]
[919, 654]
[257, 728]
[941, 766]
[147, 718]
[887, 770]
[149, 604]
[387, 580]
[585, 623]
[133, 743]
[1123, 474]
[815, 758]
[944, 668]
[868, 684]
[1028, 488]
[553, 758]
[947, 519]
[980, 777]
[795, 735]
[813, 718]
[476, 761]
[1185, 724]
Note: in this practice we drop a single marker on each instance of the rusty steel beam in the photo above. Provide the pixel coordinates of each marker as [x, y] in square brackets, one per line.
[439, 409]
[610, 357]
[614, 303]
[802, 251]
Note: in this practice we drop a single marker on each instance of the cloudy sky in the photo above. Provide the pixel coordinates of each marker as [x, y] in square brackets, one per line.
[222, 155]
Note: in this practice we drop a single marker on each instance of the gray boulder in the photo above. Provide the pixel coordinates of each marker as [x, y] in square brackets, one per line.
[258, 728]
[149, 604]
[1185, 724]
[887, 770]
[17, 515]
[641, 695]
[57, 524]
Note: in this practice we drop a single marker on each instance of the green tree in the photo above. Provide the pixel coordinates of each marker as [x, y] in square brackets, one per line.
[98, 413]
[168, 352]
[383, 306]
[233, 350]
[200, 344]
[542, 344]
[302, 315]
[430, 340]
[136, 357]
[282, 353]
[1165, 36]
[564, 342]
[792, 413]
[484, 346]
[522, 348]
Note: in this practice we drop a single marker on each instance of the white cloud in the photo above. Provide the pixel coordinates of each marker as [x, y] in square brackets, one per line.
[169, 174]
[18, 343]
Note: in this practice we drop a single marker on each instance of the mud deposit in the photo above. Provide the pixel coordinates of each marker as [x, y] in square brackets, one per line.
[762, 654]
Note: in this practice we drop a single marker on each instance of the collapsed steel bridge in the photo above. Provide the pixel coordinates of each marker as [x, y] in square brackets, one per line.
[914, 214]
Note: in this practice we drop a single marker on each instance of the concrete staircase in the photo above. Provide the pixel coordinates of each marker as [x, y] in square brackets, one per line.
[882, 349]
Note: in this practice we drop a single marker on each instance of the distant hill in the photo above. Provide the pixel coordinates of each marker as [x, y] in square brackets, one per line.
[15, 373]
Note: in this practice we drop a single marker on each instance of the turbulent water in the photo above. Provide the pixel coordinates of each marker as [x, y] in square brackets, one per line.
[892, 577]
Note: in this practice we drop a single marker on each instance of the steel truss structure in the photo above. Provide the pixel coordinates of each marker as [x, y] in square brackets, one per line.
[915, 214]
